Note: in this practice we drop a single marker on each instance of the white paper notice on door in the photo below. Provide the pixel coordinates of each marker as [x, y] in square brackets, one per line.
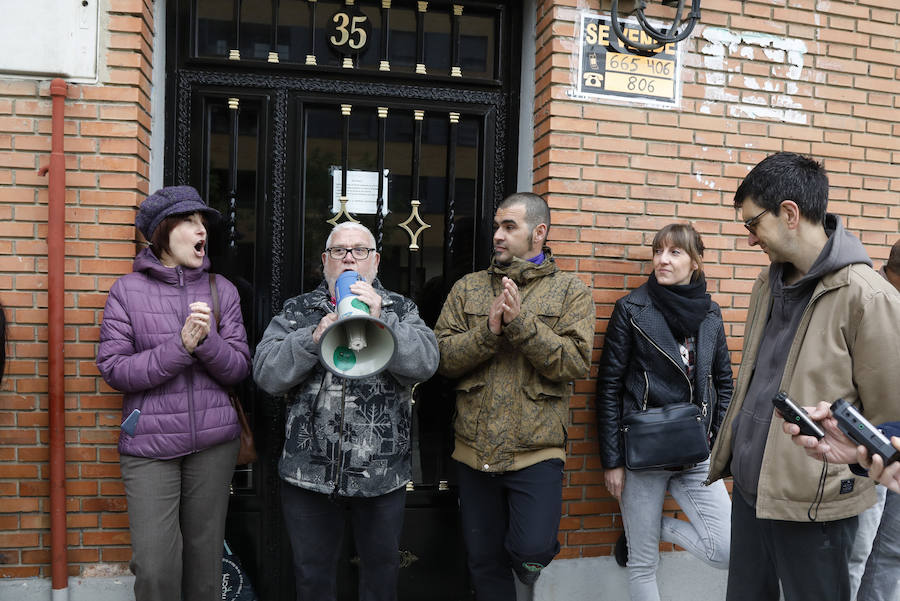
[362, 191]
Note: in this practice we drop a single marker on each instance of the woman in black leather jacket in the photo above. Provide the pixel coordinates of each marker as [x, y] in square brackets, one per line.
[665, 343]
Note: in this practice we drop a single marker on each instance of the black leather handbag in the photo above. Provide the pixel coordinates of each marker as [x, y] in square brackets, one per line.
[664, 437]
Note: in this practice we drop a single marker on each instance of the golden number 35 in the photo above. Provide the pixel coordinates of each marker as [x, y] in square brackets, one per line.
[343, 20]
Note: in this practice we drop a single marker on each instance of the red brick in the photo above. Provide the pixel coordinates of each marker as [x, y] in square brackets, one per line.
[16, 124]
[112, 93]
[115, 554]
[19, 472]
[104, 128]
[18, 159]
[18, 505]
[9, 87]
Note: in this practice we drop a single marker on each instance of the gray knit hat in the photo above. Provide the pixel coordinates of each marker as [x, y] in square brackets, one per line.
[171, 200]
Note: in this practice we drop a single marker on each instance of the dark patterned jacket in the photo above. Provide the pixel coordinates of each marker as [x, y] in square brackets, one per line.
[512, 390]
[362, 450]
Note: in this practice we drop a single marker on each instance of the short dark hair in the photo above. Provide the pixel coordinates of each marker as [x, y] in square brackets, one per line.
[536, 209]
[787, 176]
[893, 262]
[685, 237]
[159, 241]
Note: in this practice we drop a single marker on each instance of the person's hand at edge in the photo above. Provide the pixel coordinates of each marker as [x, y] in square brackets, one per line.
[614, 479]
[888, 475]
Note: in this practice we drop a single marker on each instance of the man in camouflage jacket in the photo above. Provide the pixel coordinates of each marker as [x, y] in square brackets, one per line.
[514, 337]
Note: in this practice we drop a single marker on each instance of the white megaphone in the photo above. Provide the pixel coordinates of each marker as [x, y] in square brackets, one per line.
[357, 345]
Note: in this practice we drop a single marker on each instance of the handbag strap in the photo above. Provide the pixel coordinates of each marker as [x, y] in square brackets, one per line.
[215, 298]
[232, 396]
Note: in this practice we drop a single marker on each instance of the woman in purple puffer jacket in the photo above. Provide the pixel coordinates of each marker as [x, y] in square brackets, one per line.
[160, 345]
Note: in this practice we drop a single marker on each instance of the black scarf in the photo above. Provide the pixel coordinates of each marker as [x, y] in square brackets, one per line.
[684, 306]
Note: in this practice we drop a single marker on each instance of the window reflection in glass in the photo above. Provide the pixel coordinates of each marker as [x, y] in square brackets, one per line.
[215, 28]
[402, 44]
[293, 31]
[477, 45]
[256, 29]
[437, 42]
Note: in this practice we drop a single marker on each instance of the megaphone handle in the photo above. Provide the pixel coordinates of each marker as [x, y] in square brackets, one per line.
[356, 335]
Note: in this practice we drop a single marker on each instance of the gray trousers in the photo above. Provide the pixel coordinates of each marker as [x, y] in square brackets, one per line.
[875, 559]
[176, 515]
[707, 535]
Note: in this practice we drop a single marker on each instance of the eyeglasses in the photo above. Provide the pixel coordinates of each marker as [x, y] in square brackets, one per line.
[750, 224]
[359, 253]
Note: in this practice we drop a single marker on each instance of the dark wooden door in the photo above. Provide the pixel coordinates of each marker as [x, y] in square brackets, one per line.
[277, 147]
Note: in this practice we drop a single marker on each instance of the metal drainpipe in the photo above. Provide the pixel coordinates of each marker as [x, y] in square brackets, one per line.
[56, 252]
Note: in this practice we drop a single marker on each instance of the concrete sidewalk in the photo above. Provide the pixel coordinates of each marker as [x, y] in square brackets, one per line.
[681, 578]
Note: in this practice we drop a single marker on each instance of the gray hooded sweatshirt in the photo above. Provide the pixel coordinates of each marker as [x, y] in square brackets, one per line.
[751, 425]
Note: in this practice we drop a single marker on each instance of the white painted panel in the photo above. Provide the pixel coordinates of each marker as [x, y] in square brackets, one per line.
[49, 38]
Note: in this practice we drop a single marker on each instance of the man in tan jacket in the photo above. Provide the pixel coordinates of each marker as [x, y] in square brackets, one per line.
[514, 336]
[875, 559]
[821, 325]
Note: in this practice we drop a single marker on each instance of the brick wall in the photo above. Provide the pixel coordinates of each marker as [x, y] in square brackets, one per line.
[818, 78]
[614, 174]
[107, 144]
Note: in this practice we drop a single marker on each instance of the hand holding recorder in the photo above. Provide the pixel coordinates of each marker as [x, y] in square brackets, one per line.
[861, 431]
[794, 414]
[845, 429]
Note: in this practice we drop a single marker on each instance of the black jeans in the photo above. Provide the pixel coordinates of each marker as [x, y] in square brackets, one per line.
[510, 521]
[809, 558]
[315, 525]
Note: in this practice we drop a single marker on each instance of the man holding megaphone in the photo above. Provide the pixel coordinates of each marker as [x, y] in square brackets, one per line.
[346, 355]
